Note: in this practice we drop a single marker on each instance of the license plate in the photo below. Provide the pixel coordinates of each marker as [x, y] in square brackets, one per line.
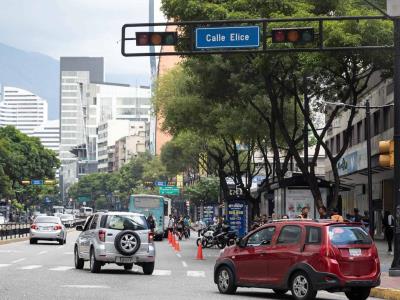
[125, 260]
[44, 228]
[355, 252]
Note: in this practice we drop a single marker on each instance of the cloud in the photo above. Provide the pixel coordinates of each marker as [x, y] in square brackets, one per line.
[75, 28]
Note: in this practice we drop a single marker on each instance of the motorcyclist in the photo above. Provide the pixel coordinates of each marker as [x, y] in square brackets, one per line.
[180, 227]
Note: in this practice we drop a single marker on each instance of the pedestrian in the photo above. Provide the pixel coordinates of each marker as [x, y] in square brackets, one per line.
[356, 216]
[201, 226]
[171, 223]
[264, 219]
[322, 212]
[304, 213]
[151, 222]
[388, 226]
[365, 220]
[336, 216]
[256, 223]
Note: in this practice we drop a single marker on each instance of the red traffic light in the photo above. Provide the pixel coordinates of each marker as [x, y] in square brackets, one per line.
[293, 35]
[156, 38]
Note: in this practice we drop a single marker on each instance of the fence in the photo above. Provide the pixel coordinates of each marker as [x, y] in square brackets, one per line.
[14, 230]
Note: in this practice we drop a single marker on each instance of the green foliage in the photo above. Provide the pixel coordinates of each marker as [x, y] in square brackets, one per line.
[204, 191]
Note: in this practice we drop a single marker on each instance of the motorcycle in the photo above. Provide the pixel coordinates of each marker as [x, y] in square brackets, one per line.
[220, 238]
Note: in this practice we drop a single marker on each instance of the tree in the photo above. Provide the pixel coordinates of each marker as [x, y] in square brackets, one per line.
[269, 82]
[204, 191]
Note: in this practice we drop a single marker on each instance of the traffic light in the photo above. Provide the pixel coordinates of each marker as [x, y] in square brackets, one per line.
[293, 35]
[386, 154]
[156, 38]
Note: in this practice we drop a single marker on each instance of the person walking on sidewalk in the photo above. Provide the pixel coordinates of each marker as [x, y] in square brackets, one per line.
[388, 226]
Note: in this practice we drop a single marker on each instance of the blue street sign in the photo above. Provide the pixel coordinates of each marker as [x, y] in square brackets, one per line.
[228, 37]
[160, 183]
[37, 182]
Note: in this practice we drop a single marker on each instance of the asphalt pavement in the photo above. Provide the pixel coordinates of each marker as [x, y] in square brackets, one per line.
[46, 271]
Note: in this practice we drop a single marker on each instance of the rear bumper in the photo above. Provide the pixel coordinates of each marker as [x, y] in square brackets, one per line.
[328, 281]
[40, 235]
[138, 257]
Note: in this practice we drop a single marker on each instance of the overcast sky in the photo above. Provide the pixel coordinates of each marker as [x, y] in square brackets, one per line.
[75, 28]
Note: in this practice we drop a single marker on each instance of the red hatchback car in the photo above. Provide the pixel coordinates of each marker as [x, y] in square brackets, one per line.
[303, 256]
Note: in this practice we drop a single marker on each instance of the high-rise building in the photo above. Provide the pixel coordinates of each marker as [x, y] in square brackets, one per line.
[22, 109]
[49, 134]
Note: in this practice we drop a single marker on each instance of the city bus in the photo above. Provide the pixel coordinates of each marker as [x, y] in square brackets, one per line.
[158, 206]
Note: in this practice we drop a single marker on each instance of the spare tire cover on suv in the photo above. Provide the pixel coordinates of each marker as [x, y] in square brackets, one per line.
[127, 242]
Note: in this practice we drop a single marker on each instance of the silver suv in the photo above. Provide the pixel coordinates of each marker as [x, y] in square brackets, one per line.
[122, 238]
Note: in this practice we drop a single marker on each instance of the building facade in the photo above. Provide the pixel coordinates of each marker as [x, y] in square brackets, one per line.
[352, 166]
[113, 130]
[22, 109]
[49, 134]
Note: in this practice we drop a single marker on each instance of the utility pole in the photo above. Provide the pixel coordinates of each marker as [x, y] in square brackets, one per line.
[395, 268]
[369, 169]
[307, 114]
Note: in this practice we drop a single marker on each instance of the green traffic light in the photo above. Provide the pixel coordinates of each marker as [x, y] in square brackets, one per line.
[169, 39]
[307, 37]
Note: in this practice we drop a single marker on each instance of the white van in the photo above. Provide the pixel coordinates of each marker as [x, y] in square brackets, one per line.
[85, 211]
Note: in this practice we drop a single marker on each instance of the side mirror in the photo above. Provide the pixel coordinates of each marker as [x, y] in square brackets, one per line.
[79, 228]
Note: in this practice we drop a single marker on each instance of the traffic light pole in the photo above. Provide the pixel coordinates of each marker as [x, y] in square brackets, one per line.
[395, 269]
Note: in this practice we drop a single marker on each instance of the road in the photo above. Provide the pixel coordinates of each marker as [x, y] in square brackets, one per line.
[46, 271]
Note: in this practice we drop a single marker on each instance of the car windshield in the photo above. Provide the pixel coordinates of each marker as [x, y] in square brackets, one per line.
[127, 222]
[47, 220]
[341, 235]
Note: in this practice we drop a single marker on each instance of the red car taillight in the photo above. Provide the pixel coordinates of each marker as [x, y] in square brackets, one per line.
[57, 227]
[151, 237]
[102, 235]
[33, 226]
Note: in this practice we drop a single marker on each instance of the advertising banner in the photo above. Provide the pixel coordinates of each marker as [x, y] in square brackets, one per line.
[237, 214]
[208, 214]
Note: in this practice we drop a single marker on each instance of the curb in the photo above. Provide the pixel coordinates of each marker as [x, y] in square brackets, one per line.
[15, 240]
[385, 293]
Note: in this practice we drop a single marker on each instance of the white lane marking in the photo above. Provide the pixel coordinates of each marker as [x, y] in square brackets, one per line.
[42, 252]
[177, 254]
[196, 274]
[31, 267]
[10, 251]
[61, 268]
[18, 260]
[86, 286]
[330, 294]
[184, 264]
[162, 272]
[4, 265]
[59, 247]
[68, 253]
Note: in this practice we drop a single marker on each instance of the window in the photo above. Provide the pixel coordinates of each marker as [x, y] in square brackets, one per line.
[359, 132]
[377, 120]
[313, 235]
[86, 227]
[289, 235]
[261, 237]
[93, 225]
[127, 222]
[103, 221]
[386, 117]
[340, 235]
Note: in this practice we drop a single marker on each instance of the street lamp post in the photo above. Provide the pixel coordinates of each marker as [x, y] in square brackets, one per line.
[369, 172]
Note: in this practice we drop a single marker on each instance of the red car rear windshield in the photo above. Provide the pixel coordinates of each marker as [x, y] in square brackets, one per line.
[345, 235]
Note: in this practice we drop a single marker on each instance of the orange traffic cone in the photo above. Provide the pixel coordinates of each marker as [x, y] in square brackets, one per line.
[169, 237]
[200, 253]
[173, 244]
[177, 247]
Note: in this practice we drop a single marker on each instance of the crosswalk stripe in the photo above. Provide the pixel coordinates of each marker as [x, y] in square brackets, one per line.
[31, 267]
[162, 272]
[61, 268]
[196, 274]
[4, 265]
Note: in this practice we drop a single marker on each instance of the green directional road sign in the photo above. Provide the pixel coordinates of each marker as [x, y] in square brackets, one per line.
[83, 198]
[169, 190]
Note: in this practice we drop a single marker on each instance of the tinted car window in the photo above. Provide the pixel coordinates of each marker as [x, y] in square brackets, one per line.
[47, 220]
[313, 235]
[289, 235]
[103, 221]
[93, 225]
[340, 235]
[261, 237]
[127, 222]
[87, 223]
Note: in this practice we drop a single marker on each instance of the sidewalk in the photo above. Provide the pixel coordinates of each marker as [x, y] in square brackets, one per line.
[390, 286]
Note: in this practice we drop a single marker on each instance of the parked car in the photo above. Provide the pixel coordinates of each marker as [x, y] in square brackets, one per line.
[303, 256]
[68, 220]
[122, 238]
[47, 228]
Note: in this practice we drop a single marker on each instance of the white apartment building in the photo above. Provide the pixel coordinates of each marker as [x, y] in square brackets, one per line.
[22, 109]
[49, 134]
[113, 130]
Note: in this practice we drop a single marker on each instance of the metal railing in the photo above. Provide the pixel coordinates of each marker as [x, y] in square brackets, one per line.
[10, 231]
